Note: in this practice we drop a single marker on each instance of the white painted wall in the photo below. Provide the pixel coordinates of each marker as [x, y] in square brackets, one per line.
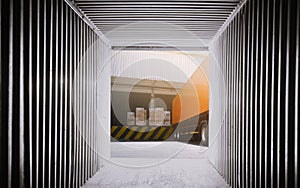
[216, 108]
[103, 101]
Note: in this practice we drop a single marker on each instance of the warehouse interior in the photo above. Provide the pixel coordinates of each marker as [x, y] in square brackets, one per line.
[130, 93]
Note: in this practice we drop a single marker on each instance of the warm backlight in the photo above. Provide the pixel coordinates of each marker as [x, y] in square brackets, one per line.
[192, 99]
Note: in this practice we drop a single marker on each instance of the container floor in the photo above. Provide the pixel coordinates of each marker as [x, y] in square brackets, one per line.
[139, 164]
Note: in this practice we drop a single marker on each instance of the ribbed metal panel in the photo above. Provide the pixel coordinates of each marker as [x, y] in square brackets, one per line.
[127, 22]
[156, 65]
[48, 95]
[258, 58]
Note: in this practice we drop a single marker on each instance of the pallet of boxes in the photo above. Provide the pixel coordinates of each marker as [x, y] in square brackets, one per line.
[159, 117]
[159, 120]
[141, 116]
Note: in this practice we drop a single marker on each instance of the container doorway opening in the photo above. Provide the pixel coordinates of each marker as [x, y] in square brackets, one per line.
[154, 99]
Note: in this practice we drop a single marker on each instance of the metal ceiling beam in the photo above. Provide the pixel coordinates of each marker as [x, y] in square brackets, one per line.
[145, 16]
[159, 48]
[230, 18]
[222, 1]
[146, 11]
[161, 8]
[157, 13]
[180, 25]
[166, 31]
[167, 21]
[88, 21]
[83, 3]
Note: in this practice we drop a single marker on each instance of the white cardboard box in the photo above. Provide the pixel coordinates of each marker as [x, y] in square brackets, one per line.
[151, 116]
[130, 118]
[167, 120]
[145, 117]
[159, 116]
[140, 116]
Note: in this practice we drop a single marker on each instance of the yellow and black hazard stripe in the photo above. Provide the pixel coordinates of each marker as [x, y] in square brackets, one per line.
[141, 133]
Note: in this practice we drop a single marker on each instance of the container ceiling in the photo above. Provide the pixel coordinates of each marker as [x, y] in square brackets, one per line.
[188, 23]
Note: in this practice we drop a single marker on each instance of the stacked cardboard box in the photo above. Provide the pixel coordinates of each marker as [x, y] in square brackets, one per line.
[151, 116]
[167, 120]
[145, 117]
[140, 116]
[130, 118]
[159, 116]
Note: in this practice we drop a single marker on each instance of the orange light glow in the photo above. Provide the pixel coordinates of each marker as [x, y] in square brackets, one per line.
[192, 99]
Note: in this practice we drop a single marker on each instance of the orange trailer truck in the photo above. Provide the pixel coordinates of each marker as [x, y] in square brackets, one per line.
[189, 117]
[190, 110]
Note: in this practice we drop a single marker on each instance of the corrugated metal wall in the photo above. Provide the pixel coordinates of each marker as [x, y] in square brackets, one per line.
[258, 58]
[47, 138]
[156, 65]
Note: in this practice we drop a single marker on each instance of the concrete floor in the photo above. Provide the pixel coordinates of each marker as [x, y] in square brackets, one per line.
[156, 164]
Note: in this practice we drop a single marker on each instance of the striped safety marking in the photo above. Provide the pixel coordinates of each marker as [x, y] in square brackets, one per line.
[141, 133]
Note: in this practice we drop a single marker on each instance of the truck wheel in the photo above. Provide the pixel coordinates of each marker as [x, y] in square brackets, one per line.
[204, 133]
[176, 136]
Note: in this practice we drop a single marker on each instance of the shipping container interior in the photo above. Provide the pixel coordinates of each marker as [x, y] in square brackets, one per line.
[167, 93]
